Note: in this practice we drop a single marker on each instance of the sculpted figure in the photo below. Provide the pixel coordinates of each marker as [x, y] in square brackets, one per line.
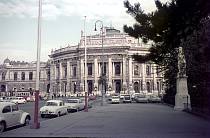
[181, 62]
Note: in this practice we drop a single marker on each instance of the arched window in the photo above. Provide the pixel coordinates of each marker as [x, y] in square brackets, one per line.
[15, 76]
[90, 86]
[3, 75]
[30, 75]
[136, 87]
[23, 76]
[118, 86]
[148, 87]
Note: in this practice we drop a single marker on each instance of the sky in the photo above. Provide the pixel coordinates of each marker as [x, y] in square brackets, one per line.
[62, 22]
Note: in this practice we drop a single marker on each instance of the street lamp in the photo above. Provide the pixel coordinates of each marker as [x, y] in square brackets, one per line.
[102, 72]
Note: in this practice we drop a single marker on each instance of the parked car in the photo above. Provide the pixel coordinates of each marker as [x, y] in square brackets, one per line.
[74, 104]
[141, 99]
[11, 116]
[18, 100]
[134, 95]
[92, 97]
[30, 99]
[115, 99]
[154, 99]
[127, 98]
[53, 108]
[5, 99]
[122, 96]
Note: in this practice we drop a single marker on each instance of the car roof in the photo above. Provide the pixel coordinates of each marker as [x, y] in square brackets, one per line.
[55, 101]
[3, 104]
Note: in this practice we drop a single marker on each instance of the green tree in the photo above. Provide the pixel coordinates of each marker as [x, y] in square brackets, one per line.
[169, 25]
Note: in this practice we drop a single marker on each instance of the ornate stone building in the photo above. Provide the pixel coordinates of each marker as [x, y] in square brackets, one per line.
[123, 74]
[16, 77]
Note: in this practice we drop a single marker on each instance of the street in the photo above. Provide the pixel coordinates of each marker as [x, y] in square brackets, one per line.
[121, 120]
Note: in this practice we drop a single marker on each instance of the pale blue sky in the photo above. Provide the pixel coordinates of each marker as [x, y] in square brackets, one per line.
[62, 23]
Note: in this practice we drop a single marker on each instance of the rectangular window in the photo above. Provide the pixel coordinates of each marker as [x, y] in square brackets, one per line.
[23, 76]
[148, 70]
[74, 71]
[90, 69]
[15, 76]
[3, 75]
[117, 68]
[30, 75]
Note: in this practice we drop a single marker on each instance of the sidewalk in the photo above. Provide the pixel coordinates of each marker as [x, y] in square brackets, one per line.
[120, 120]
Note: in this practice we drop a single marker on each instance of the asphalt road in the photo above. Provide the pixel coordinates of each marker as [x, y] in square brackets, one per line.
[121, 121]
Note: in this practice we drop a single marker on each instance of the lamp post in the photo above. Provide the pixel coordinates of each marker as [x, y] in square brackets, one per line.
[36, 123]
[85, 88]
[102, 72]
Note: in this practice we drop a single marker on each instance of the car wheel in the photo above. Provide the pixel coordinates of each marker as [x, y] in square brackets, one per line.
[27, 120]
[59, 114]
[42, 116]
[2, 127]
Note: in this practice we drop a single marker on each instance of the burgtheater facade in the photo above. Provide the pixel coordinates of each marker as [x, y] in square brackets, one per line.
[123, 74]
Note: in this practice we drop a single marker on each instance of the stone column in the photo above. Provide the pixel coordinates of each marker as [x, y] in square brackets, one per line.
[60, 77]
[113, 69]
[96, 76]
[110, 75]
[52, 79]
[143, 77]
[155, 91]
[61, 71]
[81, 75]
[130, 78]
[124, 74]
[68, 78]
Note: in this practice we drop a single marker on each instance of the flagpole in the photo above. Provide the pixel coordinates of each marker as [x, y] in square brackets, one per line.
[36, 123]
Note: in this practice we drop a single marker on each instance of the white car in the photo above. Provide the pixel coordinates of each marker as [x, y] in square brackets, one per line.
[75, 104]
[18, 100]
[10, 116]
[53, 108]
[115, 99]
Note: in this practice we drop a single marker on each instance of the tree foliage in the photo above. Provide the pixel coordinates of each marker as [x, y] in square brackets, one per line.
[171, 25]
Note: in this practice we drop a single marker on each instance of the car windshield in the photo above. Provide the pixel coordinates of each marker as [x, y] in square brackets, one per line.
[127, 97]
[115, 97]
[51, 104]
[141, 96]
[71, 101]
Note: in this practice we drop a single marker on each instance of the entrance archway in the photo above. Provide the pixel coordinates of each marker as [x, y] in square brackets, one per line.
[48, 88]
[136, 87]
[117, 86]
[148, 87]
[90, 86]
